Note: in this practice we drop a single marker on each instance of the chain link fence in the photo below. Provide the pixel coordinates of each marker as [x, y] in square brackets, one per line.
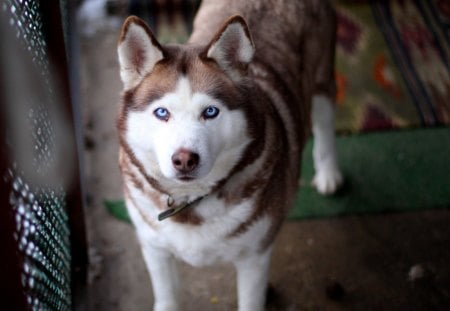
[41, 219]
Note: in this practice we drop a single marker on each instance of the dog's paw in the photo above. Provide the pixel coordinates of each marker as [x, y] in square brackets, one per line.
[166, 306]
[328, 180]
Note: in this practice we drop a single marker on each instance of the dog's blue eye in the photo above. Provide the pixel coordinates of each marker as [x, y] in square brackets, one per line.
[162, 113]
[210, 112]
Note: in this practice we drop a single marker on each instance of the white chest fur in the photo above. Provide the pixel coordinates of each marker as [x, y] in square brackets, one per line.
[206, 243]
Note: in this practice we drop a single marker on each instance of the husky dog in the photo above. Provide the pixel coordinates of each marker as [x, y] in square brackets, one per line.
[211, 135]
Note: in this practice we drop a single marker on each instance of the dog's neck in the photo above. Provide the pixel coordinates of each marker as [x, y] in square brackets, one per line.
[183, 200]
[174, 209]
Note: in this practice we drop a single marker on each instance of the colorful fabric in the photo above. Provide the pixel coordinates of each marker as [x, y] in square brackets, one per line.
[392, 64]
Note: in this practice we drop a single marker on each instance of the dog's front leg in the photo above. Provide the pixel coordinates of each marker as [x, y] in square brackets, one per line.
[165, 279]
[252, 278]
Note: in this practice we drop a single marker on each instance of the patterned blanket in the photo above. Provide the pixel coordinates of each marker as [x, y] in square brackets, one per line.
[392, 65]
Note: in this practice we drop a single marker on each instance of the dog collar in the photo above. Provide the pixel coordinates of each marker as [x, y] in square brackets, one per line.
[173, 210]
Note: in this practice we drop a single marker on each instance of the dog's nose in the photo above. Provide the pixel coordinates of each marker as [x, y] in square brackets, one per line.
[185, 161]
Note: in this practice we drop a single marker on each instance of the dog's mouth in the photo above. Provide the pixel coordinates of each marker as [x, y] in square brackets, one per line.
[185, 178]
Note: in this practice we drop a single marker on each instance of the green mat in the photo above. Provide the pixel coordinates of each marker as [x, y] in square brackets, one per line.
[384, 172]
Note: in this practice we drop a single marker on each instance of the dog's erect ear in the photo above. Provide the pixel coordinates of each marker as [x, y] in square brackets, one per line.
[138, 51]
[232, 47]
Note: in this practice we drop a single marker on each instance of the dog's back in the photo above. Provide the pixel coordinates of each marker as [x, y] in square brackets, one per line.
[294, 43]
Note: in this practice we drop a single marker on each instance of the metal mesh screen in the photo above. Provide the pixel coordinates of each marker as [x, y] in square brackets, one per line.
[42, 235]
[36, 175]
[26, 20]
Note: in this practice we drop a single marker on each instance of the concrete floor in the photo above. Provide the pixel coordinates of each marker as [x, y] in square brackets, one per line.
[349, 263]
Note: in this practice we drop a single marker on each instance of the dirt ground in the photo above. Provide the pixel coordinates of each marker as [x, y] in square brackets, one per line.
[383, 262]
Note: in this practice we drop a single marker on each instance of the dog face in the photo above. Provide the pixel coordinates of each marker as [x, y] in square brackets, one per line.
[184, 106]
[188, 134]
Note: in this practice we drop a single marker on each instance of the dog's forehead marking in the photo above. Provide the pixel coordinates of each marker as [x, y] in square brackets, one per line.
[184, 90]
[184, 99]
[186, 74]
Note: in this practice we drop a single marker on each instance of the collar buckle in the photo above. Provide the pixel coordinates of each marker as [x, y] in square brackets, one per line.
[173, 210]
